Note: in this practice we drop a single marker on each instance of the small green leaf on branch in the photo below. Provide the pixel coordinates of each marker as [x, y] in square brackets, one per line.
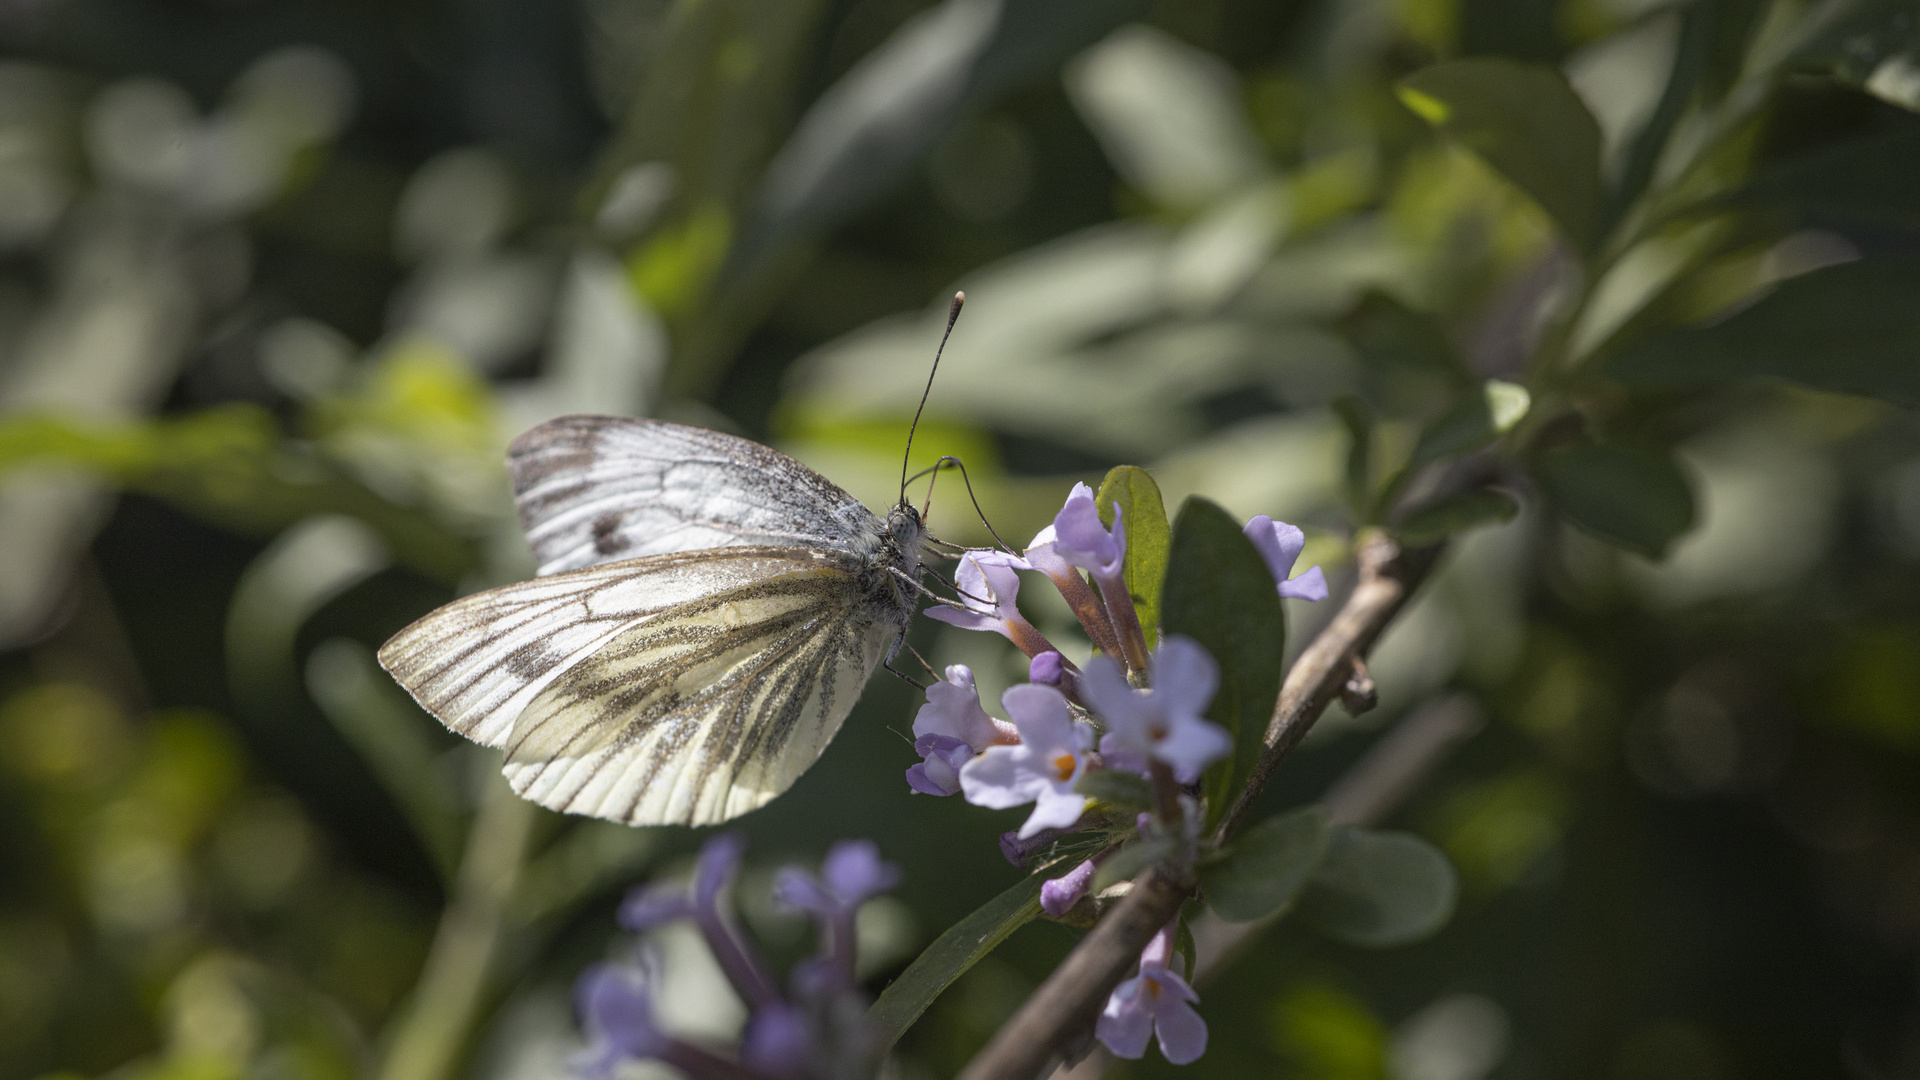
[1380, 889]
[1148, 538]
[1267, 865]
[1635, 497]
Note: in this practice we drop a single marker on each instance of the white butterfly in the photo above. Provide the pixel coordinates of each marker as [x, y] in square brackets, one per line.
[696, 677]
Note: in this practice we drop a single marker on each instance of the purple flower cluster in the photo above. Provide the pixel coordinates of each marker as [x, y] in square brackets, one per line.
[805, 1032]
[1129, 709]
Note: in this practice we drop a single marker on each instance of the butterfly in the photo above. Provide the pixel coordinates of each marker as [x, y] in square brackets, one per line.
[707, 612]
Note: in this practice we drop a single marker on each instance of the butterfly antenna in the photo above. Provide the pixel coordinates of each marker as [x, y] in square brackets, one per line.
[953, 315]
[968, 480]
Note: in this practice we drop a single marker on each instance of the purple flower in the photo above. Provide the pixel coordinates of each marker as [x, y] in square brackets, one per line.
[1156, 1001]
[1165, 723]
[851, 874]
[939, 774]
[989, 590]
[617, 1008]
[1080, 539]
[720, 858]
[1063, 892]
[1042, 769]
[777, 1041]
[1280, 545]
[949, 729]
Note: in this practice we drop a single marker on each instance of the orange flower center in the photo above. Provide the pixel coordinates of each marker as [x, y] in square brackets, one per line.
[1064, 765]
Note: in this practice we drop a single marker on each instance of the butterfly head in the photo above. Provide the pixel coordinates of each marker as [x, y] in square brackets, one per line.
[905, 531]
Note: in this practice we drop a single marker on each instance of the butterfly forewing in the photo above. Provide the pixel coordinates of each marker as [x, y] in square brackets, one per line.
[597, 488]
[705, 712]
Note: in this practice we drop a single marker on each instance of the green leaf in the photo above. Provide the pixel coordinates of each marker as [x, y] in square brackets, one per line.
[1474, 421]
[1865, 181]
[1526, 122]
[1852, 328]
[1116, 788]
[1220, 593]
[1124, 864]
[965, 944]
[1458, 513]
[1267, 865]
[1145, 567]
[1631, 496]
[1875, 46]
[1380, 889]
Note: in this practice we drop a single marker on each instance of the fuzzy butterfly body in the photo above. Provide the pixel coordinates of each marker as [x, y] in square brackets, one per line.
[707, 613]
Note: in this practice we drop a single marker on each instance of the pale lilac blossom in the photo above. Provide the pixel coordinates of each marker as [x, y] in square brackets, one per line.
[778, 1042]
[1280, 545]
[1165, 723]
[1044, 554]
[719, 862]
[1042, 769]
[616, 1006]
[1083, 541]
[851, 874]
[1060, 894]
[949, 730]
[1157, 1001]
[988, 588]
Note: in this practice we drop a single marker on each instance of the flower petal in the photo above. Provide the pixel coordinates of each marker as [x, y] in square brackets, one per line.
[965, 619]
[1311, 585]
[1042, 716]
[855, 872]
[1184, 677]
[953, 709]
[1125, 1025]
[1054, 809]
[1001, 778]
[1106, 690]
[1183, 1034]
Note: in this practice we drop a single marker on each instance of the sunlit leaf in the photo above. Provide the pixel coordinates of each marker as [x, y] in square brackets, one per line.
[1220, 593]
[1526, 122]
[1458, 513]
[965, 944]
[1267, 865]
[1474, 421]
[1631, 496]
[1380, 888]
[1148, 538]
[1852, 328]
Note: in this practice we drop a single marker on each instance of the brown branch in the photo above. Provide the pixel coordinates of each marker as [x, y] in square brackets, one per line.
[1067, 1003]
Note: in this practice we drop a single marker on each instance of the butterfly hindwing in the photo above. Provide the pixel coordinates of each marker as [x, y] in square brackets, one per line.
[705, 712]
[592, 489]
[478, 662]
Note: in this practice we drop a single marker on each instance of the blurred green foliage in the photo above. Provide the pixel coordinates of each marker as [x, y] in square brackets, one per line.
[1612, 297]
